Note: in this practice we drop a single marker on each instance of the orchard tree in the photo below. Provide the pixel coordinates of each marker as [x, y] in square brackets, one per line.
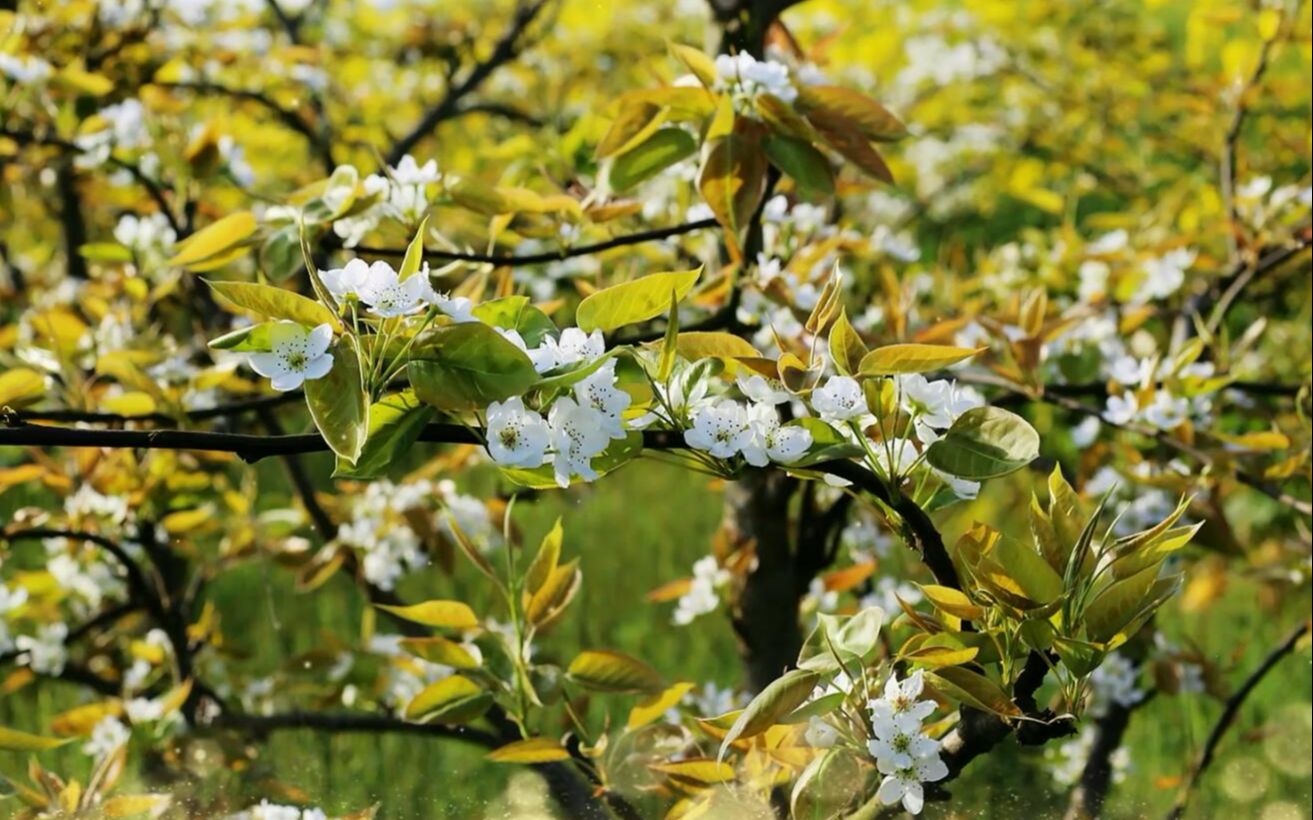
[991, 321]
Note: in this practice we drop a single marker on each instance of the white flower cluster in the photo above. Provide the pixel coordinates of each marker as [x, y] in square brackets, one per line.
[45, 652]
[274, 811]
[380, 288]
[107, 736]
[1116, 680]
[746, 77]
[903, 753]
[703, 595]
[25, 69]
[578, 426]
[11, 599]
[1068, 759]
[726, 428]
[403, 194]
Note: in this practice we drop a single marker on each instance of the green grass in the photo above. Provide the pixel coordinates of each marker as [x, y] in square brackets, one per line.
[645, 526]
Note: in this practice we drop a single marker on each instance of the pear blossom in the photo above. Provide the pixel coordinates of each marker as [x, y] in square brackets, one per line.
[702, 596]
[762, 390]
[460, 309]
[517, 436]
[1166, 412]
[387, 295]
[44, 652]
[576, 347]
[820, 734]
[352, 280]
[772, 441]
[599, 391]
[578, 434]
[543, 357]
[297, 354]
[749, 76]
[897, 708]
[840, 400]
[107, 736]
[1121, 409]
[905, 784]
[721, 429]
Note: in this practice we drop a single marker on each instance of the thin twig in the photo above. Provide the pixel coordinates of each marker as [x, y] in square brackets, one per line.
[546, 257]
[1229, 712]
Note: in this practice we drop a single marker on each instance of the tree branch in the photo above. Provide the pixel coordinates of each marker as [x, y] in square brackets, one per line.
[546, 257]
[506, 49]
[1229, 712]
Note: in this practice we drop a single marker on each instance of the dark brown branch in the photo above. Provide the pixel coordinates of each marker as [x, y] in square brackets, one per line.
[95, 417]
[507, 48]
[294, 121]
[71, 219]
[350, 723]
[1229, 712]
[546, 257]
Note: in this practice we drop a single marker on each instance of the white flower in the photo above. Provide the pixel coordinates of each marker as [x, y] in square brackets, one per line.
[543, 357]
[839, 400]
[1165, 275]
[1128, 370]
[721, 429]
[1121, 409]
[897, 709]
[143, 710]
[297, 354]
[408, 172]
[599, 392]
[905, 784]
[927, 402]
[1167, 412]
[701, 597]
[575, 346]
[388, 296]
[106, 737]
[1086, 433]
[24, 69]
[771, 441]
[820, 734]
[1116, 680]
[762, 390]
[352, 280]
[749, 76]
[578, 434]
[517, 437]
[44, 653]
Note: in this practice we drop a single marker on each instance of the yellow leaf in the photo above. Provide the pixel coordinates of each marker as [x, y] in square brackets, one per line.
[12, 740]
[699, 770]
[442, 614]
[913, 358]
[21, 384]
[215, 239]
[532, 750]
[655, 706]
[613, 672]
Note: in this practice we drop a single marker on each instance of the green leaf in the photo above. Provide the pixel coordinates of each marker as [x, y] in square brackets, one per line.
[280, 254]
[436, 613]
[705, 344]
[275, 303]
[468, 366]
[635, 301]
[441, 651]
[670, 344]
[913, 358]
[339, 405]
[872, 120]
[608, 671]
[828, 444]
[697, 62]
[12, 740]
[250, 338]
[414, 253]
[781, 697]
[807, 166]
[846, 348]
[215, 240]
[395, 422]
[985, 442]
[455, 699]
[109, 252]
[658, 152]
[1118, 604]
[732, 181]
[516, 313]
[974, 689]
[828, 785]
[1038, 581]
[636, 121]
[1080, 657]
